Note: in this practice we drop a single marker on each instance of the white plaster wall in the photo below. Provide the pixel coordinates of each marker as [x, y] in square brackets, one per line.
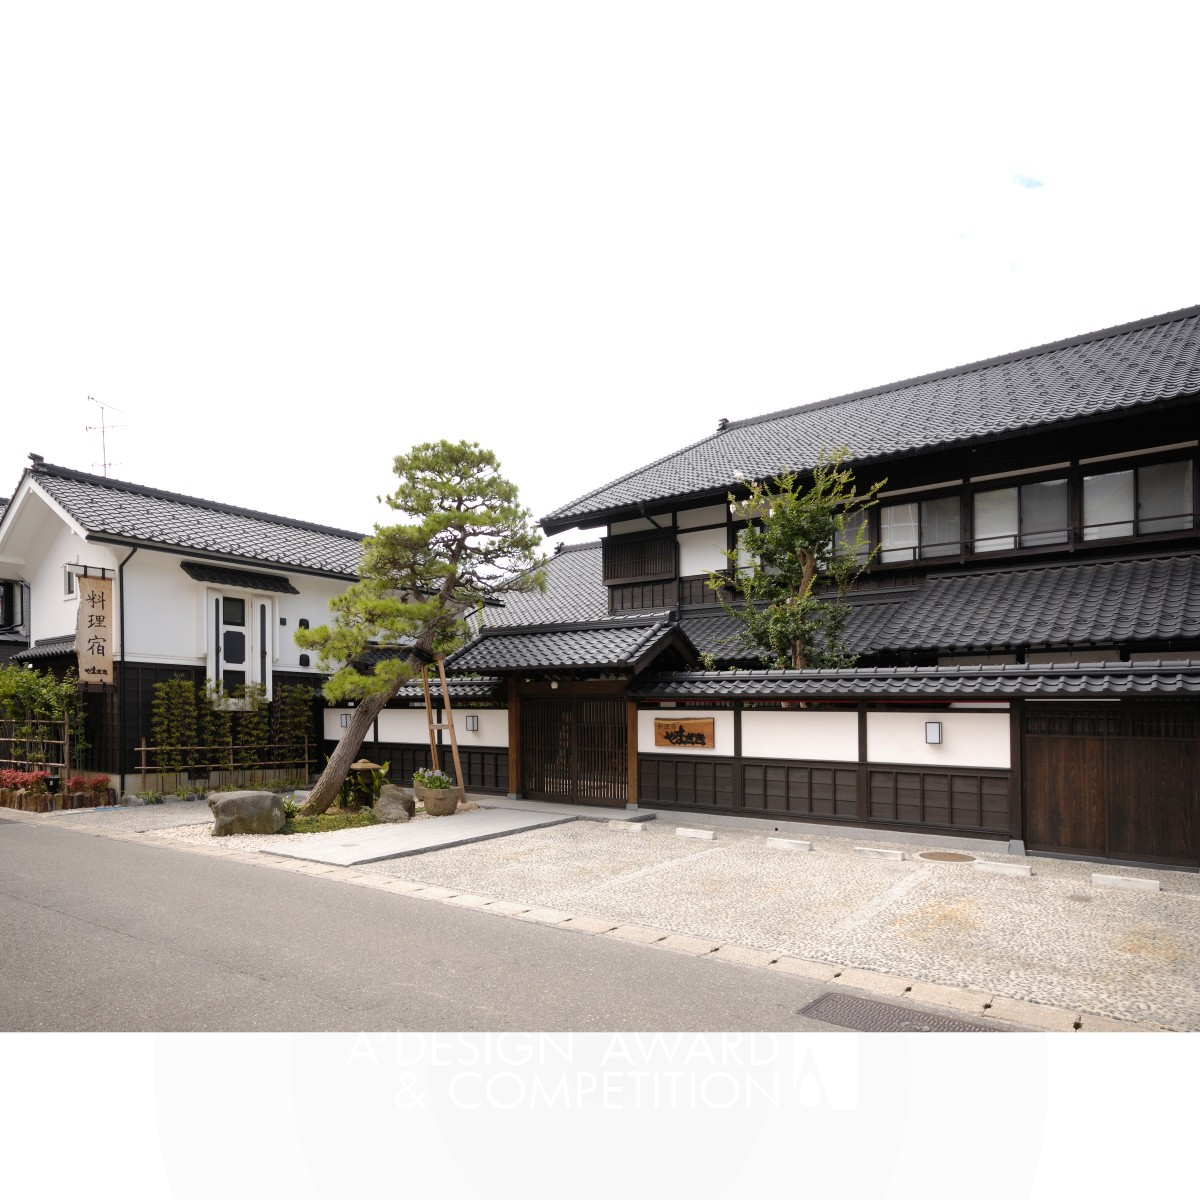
[968, 739]
[312, 605]
[493, 727]
[408, 725]
[635, 525]
[51, 613]
[701, 551]
[693, 518]
[164, 611]
[801, 734]
[722, 730]
[168, 612]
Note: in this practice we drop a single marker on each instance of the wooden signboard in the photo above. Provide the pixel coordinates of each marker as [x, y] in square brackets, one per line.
[93, 632]
[698, 733]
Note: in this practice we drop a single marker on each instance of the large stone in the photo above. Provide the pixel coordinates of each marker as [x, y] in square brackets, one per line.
[394, 805]
[129, 800]
[246, 812]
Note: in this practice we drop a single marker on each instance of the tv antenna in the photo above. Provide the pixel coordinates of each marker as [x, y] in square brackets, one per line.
[103, 427]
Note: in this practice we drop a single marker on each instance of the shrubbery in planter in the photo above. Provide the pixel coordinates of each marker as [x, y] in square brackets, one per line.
[436, 791]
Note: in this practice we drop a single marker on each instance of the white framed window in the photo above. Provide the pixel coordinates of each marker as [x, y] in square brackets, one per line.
[240, 642]
[70, 587]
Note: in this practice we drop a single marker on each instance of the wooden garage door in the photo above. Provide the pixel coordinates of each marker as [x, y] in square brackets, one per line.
[1113, 781]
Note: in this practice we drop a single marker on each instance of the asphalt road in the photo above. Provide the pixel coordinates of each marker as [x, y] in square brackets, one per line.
[105, 935]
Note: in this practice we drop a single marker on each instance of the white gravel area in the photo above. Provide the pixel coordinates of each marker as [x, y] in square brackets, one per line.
[1053, 938]
[139, 818]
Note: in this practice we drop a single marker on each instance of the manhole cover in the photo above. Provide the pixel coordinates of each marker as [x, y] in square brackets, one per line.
[946, 856]
[870, 1016]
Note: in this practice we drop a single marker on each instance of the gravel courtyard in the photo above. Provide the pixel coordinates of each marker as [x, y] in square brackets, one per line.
[1052, 938]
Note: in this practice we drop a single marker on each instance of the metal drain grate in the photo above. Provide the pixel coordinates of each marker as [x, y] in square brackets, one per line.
[870, 1016]
[946, 856]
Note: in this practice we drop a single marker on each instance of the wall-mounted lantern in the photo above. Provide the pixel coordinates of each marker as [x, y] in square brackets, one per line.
[933, 733]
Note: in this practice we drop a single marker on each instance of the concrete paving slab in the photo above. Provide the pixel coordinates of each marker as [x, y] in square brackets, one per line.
[803, 966]
[434, 893]
[1040, 1016]
[742, 956]
[638, 933]
[589, 925]
[682, 944]
[469, 901]
[544, 916]
[378, 843]
[577, 812]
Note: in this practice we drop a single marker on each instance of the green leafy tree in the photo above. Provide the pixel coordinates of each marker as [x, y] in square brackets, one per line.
[805, 547]
[467, 538]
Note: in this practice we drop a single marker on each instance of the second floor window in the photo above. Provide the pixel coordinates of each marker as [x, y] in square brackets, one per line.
[1152, 499]
[1034, 514]
[920, 529]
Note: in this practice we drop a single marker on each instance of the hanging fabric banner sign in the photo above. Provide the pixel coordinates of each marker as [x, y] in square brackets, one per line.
[93, 633]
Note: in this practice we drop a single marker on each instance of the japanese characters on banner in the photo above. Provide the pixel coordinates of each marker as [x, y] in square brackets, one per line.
[93, 633]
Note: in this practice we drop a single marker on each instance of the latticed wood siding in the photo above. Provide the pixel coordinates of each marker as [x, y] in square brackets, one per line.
[642, 597]
[803, 789]
[631, 560]
[574, 748]
[686, 782]
[960, 800]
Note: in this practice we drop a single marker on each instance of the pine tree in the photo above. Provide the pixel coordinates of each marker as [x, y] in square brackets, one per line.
[467, 538]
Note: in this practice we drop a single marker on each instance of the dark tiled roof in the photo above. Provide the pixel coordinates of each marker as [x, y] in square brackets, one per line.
[462, 688]
[228, 577]
[1001, 682]
[616, 645]
[574, 592]
[1103, 372]
[713, 631]
[112, 508]
[47, 648]
[1105, 603]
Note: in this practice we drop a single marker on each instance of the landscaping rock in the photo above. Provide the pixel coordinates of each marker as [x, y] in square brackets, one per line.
[394, 805]
[246, 812]
[131, 801]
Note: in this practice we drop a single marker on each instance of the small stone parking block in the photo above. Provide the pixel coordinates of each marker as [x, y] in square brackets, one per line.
[1127, 882]
[998, 868]
[788, 844]
[627, 826]
[878, 852]
[704, 835]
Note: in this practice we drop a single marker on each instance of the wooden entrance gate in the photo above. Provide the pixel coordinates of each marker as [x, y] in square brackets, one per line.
[575, 748]
[1113, 781]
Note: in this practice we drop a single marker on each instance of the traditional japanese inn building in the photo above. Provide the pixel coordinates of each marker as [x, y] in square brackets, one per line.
[1029, 632]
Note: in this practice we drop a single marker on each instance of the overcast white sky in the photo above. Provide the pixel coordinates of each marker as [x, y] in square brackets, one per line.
[287, 241]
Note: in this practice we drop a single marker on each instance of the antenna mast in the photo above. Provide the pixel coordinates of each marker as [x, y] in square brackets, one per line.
[103, 427]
